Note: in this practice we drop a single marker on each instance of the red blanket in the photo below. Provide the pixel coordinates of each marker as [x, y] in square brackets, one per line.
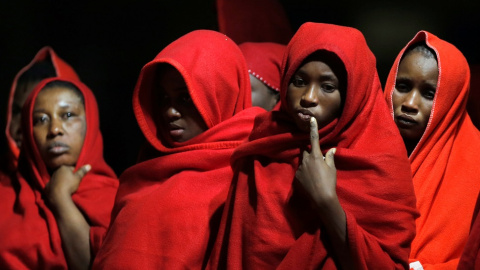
[168, 208]
[446, 175]
[268, 224]
[28, 229]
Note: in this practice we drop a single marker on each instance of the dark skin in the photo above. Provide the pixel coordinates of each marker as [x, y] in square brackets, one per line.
[315, 95]
[318, 178]
[59, 130]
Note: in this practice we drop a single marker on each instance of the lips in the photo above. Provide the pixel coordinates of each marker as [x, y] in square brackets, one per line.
[175, 130]
[304, 115]
[405, 121]
[58, 148]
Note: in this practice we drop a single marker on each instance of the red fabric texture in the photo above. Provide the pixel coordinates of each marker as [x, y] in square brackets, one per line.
[63, 70]
[254, 21]
[446, 176]
[264, 61]
[168, 208]
[29, 232]
[268, 223]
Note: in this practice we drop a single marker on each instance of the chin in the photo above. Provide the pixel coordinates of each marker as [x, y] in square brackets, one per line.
[57, 163]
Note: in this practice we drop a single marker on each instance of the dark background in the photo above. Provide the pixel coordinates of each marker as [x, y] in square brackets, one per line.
[108, 42]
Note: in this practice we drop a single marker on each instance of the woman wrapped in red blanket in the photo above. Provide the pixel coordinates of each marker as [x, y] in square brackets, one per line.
[356, 208]
[56, 208]
[427, 91]
[45, 64]
[189, 103]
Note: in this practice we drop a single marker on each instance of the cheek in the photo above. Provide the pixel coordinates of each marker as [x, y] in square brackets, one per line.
[39, 135]
[333, 104]
[78, 130]
[396, 100]
[427, 110]
[292, 97]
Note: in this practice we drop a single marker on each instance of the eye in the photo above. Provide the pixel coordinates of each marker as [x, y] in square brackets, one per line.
[185, 98]
[429, 94]
[329, 88]
[402, 87]
[67, 115]
[297, 81]
[40, 119]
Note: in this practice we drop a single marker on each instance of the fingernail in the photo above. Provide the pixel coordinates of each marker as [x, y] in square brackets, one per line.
[334, 150]
[88, 167]
[312, 119]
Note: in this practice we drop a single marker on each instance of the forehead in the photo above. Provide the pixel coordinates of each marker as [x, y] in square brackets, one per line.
[418, 63]
[58, 94]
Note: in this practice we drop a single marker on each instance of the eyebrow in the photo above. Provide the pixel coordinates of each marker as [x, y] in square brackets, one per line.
[324, 77]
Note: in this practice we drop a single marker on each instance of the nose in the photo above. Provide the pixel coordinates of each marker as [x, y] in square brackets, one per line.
[172, 113]
[310, 97]
[411, 102]
[55, 128]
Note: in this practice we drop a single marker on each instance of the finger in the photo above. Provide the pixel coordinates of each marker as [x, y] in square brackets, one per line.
[316, 151]
[330, 157]
[83, 170]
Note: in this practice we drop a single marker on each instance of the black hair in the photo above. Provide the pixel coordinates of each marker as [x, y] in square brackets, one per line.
[38, 71]
[68, 85]
[423, 48]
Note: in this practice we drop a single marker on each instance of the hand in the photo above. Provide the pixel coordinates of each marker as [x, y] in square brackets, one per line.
[64, 182]
[317, 174]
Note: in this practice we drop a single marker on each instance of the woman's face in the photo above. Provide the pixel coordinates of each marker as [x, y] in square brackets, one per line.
[59, 126]
[412, 98]
[180, 119]
[314, 91]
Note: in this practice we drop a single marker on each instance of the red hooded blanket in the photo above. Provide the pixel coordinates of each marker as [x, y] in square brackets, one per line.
[264, 61]
[28, 230]
[267, 224]
[62, 70]
[168, 208]
[446, 176]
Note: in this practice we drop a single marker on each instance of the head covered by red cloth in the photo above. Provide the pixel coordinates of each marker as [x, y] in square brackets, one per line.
[30, 237]
[446, 176]
[167, 208]
[62, 69]
[268, 224]
[264, 61]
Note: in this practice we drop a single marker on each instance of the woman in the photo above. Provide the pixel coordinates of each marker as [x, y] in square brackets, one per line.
[189, 103]
[57, 207]
[288, 211]
[45, 64]
[427, 91]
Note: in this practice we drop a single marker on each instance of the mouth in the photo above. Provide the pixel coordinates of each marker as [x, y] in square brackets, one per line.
[175, 130]
[405, 121]
[58, 148]
[304, 115]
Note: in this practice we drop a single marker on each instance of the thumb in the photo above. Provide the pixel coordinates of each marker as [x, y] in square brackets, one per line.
[83, 170]
[329, 157]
